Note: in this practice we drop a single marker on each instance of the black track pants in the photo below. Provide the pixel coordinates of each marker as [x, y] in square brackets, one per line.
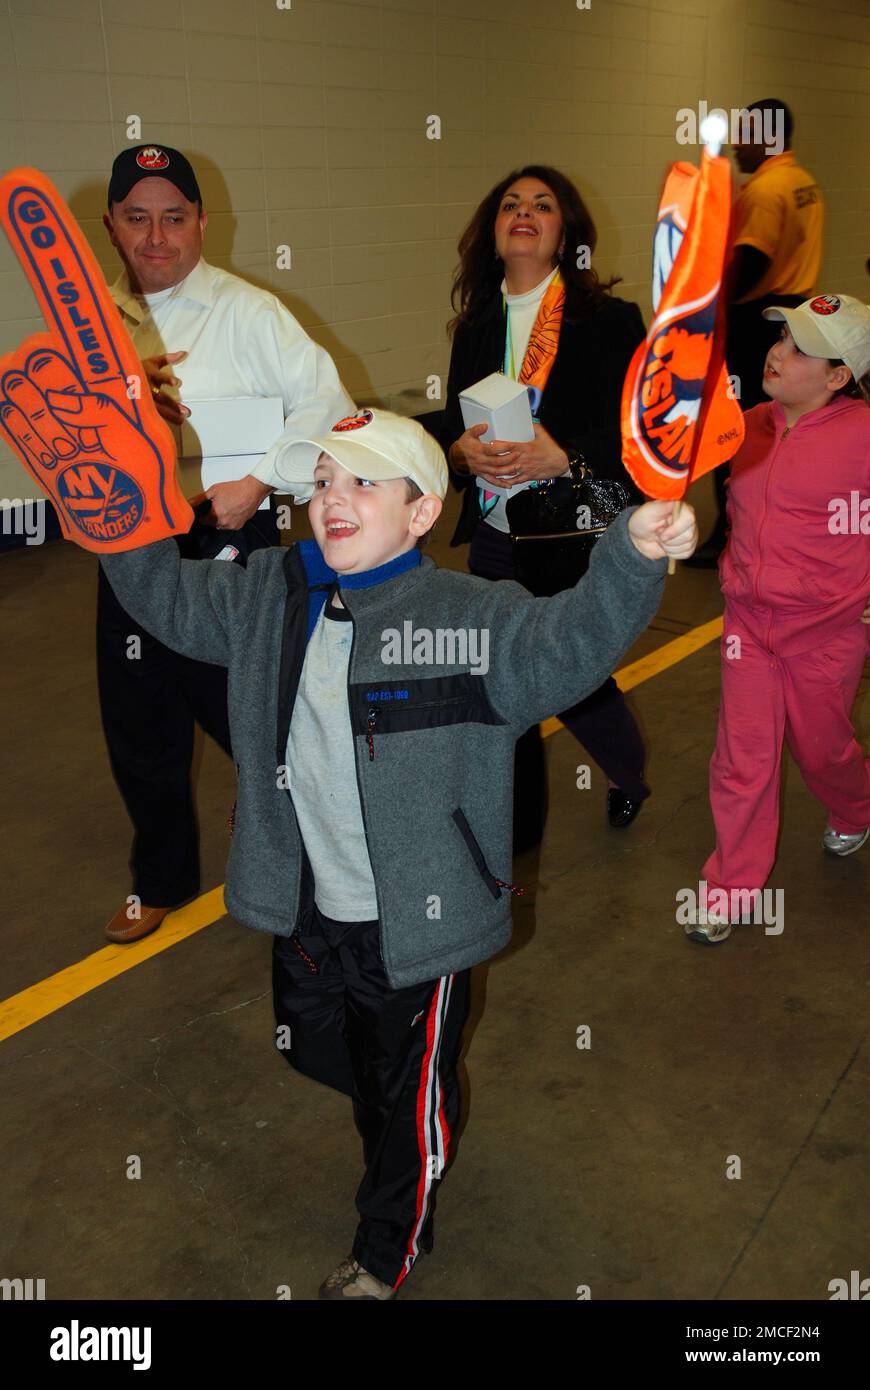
[395, 1052]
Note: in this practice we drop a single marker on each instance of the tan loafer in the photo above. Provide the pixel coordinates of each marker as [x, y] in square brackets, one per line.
[123, 929]
[351, 1281]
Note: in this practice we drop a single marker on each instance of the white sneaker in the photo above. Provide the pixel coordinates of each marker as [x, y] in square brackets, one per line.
[710, 928]
[842, 845]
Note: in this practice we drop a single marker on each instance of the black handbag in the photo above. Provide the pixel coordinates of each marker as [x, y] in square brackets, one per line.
[554, 526]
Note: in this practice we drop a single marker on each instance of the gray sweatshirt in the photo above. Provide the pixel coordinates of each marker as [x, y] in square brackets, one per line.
[434, 742]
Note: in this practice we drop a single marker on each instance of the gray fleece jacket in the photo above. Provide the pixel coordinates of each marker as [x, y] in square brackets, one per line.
[434, 742]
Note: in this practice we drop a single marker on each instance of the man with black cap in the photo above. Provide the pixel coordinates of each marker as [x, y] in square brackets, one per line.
[235, 341]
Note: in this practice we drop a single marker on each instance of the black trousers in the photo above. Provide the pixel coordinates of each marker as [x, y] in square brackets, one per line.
[602, 722]
[149, 703]
[395, 1053]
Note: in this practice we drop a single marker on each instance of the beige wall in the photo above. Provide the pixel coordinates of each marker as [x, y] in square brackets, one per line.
[308, 127]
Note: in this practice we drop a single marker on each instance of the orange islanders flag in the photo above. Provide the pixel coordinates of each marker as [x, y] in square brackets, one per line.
[678, 417]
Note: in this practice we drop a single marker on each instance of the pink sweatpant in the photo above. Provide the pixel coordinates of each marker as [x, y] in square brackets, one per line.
[807, 700]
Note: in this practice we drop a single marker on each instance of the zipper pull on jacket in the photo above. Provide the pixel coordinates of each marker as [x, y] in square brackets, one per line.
[370, 732]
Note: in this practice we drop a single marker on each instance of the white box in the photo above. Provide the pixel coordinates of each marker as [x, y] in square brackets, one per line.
[501, 404]
[224, 440]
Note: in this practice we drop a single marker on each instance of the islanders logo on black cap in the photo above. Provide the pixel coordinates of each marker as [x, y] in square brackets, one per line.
[825, 304]
[151, 158]
[353, 422]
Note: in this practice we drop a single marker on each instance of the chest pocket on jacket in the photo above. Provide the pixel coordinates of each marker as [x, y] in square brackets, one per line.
[393, 707]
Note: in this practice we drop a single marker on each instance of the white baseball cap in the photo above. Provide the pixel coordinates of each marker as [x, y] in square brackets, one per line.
[372, 444]
[830, 325]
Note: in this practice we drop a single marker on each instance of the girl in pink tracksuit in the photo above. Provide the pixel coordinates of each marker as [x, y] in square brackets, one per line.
[796, 580]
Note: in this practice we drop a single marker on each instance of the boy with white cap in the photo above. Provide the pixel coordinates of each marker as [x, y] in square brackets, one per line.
[796, 579]
[375, 755]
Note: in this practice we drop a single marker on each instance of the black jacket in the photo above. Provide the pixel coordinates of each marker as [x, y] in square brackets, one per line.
[580, 404]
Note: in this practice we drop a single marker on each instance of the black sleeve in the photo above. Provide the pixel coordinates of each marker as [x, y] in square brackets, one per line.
[614, 336]
[456, 382]
[749, 267]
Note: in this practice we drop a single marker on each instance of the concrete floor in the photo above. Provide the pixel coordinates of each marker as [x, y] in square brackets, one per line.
[604, 1167]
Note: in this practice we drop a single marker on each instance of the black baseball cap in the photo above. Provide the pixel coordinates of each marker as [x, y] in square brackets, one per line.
[152, 161]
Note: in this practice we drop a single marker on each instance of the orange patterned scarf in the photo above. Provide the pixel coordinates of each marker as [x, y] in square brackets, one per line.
[543, 340]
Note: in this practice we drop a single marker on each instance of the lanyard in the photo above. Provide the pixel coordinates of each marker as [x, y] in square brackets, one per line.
[508, 364]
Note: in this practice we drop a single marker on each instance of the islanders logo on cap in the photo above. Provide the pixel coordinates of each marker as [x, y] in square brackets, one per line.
[353, 422]
[152, 158]
[825, 304]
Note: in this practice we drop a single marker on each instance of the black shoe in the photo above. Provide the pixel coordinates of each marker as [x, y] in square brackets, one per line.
[621, 810]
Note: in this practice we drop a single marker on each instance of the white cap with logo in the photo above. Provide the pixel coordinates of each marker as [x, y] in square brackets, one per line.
[373, 444]
[830, 325]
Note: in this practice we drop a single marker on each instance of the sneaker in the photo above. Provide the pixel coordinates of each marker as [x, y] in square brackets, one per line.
[350, 1280]
[711, 931]
[842, 845]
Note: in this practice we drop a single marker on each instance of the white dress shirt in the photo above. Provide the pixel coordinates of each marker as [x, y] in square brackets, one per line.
[240, 341]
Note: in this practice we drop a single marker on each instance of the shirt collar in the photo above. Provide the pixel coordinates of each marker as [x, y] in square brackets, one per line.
[319, 571]
[323, 580]
[196, 287]
[773, 161]
[812, 417]
[529, 296]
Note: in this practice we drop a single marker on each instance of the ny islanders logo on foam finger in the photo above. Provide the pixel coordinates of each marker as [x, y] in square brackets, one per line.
[102, 501]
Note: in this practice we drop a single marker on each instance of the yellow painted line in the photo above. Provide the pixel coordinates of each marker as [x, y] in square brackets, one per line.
[654, 663]
[39, 1000]
[21, 1010]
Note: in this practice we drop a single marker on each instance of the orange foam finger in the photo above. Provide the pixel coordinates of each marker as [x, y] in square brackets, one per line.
[119, 488]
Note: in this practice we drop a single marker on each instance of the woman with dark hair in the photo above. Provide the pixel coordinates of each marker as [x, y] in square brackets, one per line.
[529, 303]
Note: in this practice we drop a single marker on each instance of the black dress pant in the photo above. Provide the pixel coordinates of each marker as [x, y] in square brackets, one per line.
[395, 1053]
[149, 699]
[602, 722]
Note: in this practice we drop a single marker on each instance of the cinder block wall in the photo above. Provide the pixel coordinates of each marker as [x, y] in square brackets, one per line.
[308, 127]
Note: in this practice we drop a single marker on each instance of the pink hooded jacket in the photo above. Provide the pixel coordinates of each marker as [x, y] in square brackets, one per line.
[787, 576]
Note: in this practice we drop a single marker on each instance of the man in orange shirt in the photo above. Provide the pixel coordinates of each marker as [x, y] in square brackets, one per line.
[778, 224]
